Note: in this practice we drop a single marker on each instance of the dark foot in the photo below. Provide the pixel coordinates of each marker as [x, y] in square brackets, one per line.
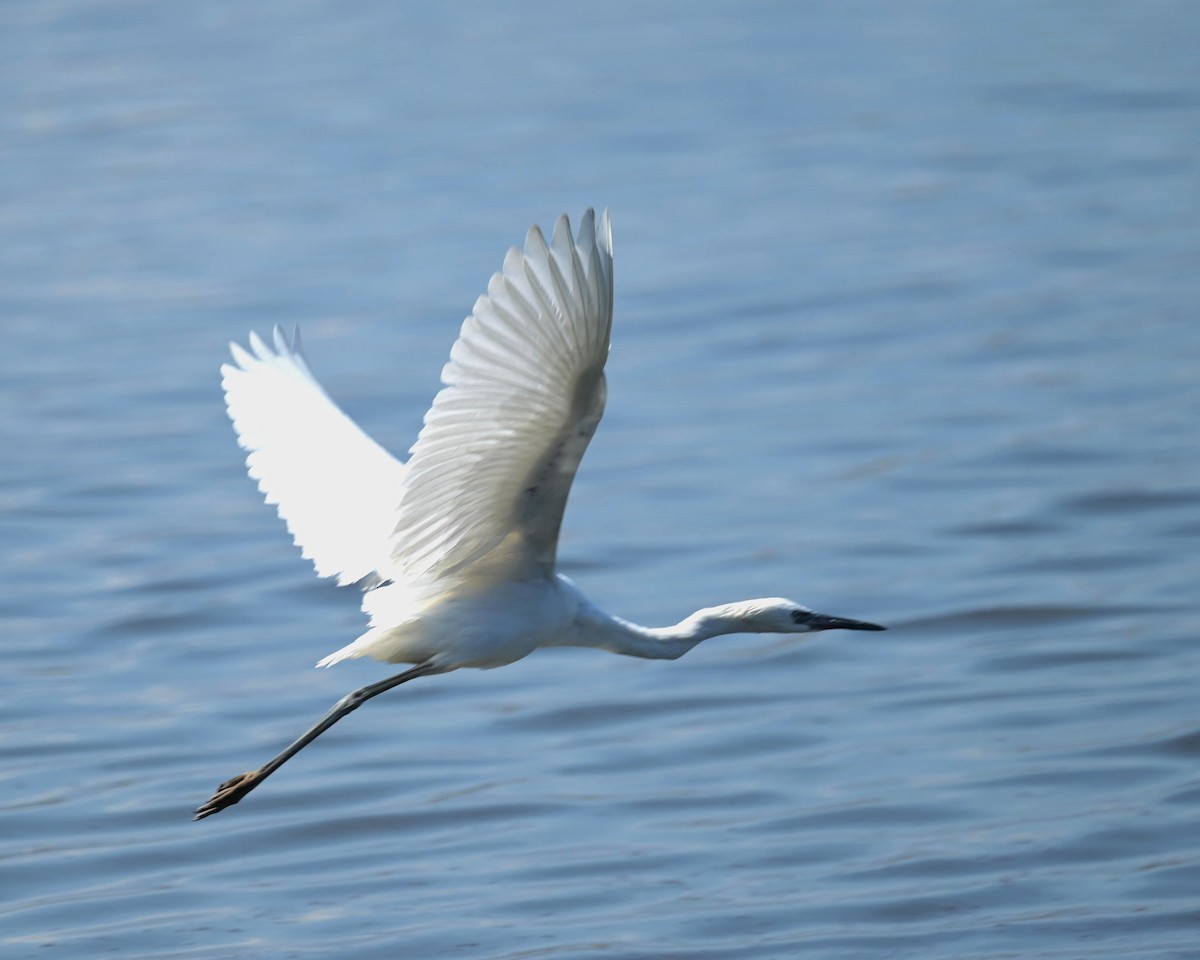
[229, 793]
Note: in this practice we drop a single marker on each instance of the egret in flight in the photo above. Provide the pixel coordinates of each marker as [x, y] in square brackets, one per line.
[456, 547]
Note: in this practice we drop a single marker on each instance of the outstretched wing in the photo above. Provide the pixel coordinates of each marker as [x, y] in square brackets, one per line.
[336, 488]
[524, 391]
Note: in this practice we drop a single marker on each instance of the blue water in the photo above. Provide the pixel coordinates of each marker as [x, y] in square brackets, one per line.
[906, 329]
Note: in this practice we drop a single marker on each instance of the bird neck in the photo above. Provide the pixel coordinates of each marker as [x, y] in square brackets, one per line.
[657, 643]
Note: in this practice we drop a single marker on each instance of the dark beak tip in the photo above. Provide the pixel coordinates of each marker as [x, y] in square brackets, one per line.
[844, 623]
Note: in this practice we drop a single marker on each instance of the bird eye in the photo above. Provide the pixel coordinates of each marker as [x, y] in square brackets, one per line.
[800, 616]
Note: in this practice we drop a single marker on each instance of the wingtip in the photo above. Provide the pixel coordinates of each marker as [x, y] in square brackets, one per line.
[261, 350]
[589, 228]
[604, 231]
[561, 238]
[535, 242]
[240, 356]
[512, 261]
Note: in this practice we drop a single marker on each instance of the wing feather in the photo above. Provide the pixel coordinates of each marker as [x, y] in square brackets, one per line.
[523, 393]
[335, 487]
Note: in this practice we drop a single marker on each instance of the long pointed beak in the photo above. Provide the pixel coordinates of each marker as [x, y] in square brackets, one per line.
[820, 621]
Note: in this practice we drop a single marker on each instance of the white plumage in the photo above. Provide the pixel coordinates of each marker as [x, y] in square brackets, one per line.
[458, 544]
[335, 487]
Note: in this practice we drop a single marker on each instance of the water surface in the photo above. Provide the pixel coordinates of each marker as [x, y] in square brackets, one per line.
[905, 329]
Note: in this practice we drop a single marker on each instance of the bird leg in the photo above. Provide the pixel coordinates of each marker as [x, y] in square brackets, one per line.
[231, 791]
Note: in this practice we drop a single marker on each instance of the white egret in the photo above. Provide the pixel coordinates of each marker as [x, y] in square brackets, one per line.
[457, 546]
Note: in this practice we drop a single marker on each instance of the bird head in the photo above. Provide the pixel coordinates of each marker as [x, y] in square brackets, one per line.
[777, 615]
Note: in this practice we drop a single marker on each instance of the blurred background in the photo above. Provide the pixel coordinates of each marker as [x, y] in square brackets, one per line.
[905, 329]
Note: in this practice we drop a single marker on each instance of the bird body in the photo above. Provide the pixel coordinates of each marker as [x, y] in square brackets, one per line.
[456, 547]
[484, 625]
